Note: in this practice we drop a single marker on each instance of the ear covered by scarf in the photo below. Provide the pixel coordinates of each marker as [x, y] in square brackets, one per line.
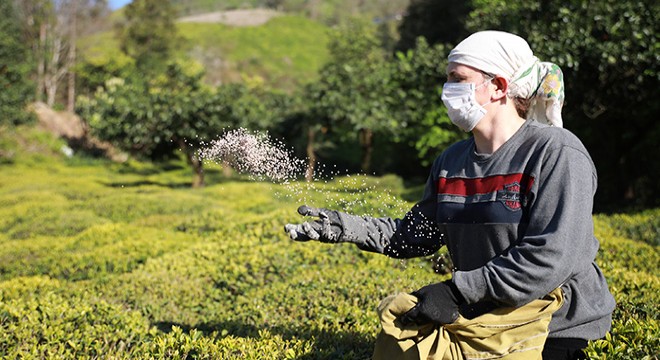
[508, 55]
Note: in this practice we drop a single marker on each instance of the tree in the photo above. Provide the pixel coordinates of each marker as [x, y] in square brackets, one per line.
[149, 33]
[419, 74]
[50, 29]
[354, 89]
[14, 69]
[94, 72]
[71, 56]
[83, 17]
[154, 119]
[438, 21]
[302, 125]
[364, 90]
[175, 111]
[33, 16]
[608, 51]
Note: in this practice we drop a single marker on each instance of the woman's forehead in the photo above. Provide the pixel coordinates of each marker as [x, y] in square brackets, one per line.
[454, 68]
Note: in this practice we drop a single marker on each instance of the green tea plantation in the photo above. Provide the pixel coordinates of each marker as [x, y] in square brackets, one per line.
[101, 260]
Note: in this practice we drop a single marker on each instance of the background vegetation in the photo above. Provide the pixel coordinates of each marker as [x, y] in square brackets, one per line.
[126, 260]
[360, 77]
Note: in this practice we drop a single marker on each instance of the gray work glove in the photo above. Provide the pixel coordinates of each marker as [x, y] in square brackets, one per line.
[328, 228]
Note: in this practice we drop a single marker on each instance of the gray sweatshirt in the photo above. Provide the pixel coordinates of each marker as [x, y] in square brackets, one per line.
[517, 224]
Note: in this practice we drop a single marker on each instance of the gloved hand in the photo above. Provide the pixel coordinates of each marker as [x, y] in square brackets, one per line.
[328, 228]
[437, 303]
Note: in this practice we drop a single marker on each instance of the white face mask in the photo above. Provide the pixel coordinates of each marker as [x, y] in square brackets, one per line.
[462, 106]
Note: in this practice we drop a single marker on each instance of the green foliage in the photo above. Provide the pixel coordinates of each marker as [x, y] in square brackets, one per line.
[437, 21]
[27, 144]
[157, 116]
[439, 133]
[631, 270]
[17, 89]
[419, 74]
[121, 261]
[330, 12]
[253, 106]
[175, 110]
[98, 251]
[94, 71]
[335, 12]
[43, 318]
[355, 88]
[148, 33]
[355, 83]
[630, 340]
[361, 88]
[187, 7]
[643, 226]
[285, 52]
[630, 265]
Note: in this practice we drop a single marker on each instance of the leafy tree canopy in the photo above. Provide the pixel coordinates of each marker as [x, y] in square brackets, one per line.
[175, 110]
[148, 33]
[17, 90]
[438, 21]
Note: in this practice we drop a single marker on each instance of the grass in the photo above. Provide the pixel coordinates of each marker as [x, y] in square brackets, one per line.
[124, 261]
[279, 53]
[284, 49]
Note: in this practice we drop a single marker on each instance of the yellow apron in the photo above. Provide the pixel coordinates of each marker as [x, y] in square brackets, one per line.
[506, 333]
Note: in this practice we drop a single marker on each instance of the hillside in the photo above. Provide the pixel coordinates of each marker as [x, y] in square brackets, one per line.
[241, 17]
[329, 12]
[284, 42]
[283, 50]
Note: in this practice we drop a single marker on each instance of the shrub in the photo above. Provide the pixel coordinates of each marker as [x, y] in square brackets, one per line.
[43, 318]
[643, 226]
[118, 261]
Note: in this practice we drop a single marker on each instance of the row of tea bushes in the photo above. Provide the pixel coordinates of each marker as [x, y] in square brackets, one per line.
[643, 225]
[100, 260]
[631, 267]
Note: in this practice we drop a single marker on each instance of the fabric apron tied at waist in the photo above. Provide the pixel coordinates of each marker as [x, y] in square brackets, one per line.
[504, 333]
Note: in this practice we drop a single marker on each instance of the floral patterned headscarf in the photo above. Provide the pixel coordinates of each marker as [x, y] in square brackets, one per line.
[508, 55]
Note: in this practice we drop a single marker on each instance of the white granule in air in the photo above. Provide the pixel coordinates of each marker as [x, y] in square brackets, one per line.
[255, 154]
[262, 158]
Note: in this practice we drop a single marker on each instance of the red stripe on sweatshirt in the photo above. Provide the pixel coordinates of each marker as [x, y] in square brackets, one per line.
[485, 185]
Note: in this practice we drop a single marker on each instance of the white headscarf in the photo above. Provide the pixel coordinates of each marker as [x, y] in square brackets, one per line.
[509, 56]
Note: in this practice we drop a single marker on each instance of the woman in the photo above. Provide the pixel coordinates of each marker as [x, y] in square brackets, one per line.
[512, 203]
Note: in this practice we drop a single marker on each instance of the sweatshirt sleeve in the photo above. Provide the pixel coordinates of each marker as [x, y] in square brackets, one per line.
[558, 240]
[414, 235]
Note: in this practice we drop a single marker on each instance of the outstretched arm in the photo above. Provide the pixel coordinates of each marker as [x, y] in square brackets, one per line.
[414, 235]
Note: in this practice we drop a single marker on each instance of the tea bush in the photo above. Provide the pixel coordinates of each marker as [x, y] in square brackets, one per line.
[101, 260]
[45, 318]
[644, 225]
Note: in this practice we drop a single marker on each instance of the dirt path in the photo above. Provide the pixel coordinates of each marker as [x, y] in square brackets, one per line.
[251, 17]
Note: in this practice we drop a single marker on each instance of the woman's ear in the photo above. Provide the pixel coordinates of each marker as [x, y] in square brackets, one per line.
[501, 88]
